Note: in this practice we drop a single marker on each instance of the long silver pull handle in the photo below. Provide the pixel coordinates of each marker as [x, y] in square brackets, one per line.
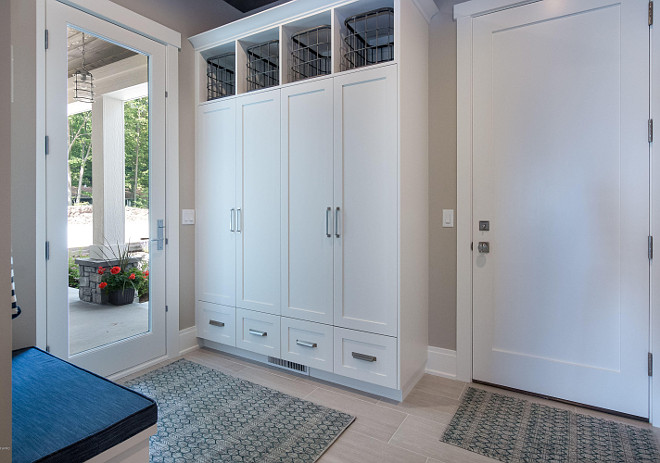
[232, 219]
[311, 345]
[216, 323]
[239, 221]
[365, 357]
[258, 333]
[337, 214]
[160, 234]
[328, 211]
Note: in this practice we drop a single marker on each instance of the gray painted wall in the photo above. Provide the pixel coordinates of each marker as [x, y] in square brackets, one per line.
[5, 234]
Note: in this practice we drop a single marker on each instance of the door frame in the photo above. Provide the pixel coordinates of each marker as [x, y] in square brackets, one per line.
[464, 13]
[125, 18]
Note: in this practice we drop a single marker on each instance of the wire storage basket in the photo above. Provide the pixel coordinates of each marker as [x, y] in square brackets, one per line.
[311, 53]
[263, 65]
[369, 38]
[220, 76]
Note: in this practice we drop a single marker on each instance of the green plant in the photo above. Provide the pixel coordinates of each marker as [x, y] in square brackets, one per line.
[74, 273]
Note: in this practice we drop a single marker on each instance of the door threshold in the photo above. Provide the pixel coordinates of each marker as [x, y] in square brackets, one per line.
[564, 401]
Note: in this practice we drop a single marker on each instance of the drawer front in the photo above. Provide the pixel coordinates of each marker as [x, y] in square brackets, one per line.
[366, 357]
[258, 332]
[217, 323]
[307, 343]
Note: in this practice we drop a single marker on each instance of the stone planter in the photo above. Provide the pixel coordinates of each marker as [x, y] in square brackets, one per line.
[88, 288]
[122, 297]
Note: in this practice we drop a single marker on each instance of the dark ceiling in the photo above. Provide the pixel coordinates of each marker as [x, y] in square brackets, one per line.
[248, 5]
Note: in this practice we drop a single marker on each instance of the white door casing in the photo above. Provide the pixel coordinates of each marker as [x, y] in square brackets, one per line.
[308, 211]
[152, 344]
[561, 172]
[366, 186]
[216, 203]
[258, 202]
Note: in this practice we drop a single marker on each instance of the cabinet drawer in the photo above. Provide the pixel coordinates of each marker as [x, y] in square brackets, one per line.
[307, 343]
[258, 332]
[366, 357]
[217, 323]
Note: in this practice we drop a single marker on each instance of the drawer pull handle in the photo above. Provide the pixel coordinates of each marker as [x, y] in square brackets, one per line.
[216, 323]
[258, 333]
[366, 358]
[311, 345]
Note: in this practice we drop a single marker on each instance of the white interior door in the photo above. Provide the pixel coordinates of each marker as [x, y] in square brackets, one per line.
[366, 191]
[307, 202]
[216, 203]
[561, 173]
[128, 86]
[258, 202]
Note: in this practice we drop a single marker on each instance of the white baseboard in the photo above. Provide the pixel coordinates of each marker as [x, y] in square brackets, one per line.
[441, 362]
[188, 340]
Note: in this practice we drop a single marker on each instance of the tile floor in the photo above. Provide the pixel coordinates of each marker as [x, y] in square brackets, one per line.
[384, 431]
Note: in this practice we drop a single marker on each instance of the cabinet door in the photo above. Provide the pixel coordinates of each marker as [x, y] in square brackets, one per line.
[307, 201]
[215, 203]
[366, 190]
[258, 195]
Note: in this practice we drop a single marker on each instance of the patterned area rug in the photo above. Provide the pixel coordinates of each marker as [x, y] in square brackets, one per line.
[516, 430]
[207, 416]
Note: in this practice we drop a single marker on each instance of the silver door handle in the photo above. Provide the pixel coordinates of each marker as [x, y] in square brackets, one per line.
[365, 357]
[232, 219]
[328, 211]
[160, 234]
[337, 214]
[239, 223]
[258, 333]
[311, 345]
[216, 323]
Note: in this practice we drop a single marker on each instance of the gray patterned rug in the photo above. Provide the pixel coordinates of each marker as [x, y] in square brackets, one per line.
[207, 416]
[515, 430]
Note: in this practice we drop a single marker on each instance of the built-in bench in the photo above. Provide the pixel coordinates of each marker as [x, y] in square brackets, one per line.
[62, 413]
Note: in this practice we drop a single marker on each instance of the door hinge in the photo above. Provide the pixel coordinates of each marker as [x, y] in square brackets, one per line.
[650, 13]
[472, 246]
[47, 145]
[650, 130]
[650, 364]
[166, 94]
[47, 348]
[650, 247]
[47, 250]
[46, 39]
[167, 309]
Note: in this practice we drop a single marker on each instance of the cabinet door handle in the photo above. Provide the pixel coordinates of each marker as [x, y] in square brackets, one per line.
[216, 323]
[337, 214]
[239, 220]
[311, 345]
[232, 219]
[365, 357]
[258, 333]
[328, 211]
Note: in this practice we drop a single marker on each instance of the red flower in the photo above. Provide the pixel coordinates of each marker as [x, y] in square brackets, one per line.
[102, 285]
[101, 270]
[146, 274]
[115, 270]
[131, 276]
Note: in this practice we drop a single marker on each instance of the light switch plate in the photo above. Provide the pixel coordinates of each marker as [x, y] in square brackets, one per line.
[448, 218]
[187, 216]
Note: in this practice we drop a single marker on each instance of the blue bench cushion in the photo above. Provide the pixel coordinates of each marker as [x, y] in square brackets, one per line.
[62, 413]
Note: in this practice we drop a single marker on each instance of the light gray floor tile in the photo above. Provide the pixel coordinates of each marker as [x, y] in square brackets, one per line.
[355, 447]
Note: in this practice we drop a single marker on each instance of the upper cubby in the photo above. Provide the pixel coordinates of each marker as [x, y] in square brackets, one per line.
[298, 40]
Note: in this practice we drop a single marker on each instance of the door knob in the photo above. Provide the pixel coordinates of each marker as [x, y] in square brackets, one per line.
[483, 247]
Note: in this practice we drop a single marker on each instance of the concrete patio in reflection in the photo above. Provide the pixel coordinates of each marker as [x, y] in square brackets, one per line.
[95, 325]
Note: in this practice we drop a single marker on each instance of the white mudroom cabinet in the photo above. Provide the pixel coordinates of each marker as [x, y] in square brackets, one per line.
[312, 190]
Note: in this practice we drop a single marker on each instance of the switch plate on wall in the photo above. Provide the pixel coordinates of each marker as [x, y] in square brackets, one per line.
[187, 216]
[447, 218]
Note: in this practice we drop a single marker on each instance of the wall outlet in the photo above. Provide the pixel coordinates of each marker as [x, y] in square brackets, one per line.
[187, 216]
[447, 218]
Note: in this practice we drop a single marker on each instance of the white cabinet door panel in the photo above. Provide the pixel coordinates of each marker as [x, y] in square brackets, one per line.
[258, 332]
[366, 190]
[215, 200]
[366, 356]
[258, 195]
[216, 323]
[307, 343]
[307, 201]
